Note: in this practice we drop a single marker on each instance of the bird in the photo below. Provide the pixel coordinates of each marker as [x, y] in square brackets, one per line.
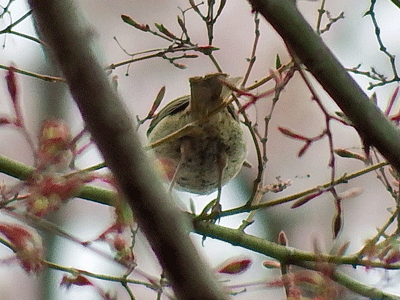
[211, 148]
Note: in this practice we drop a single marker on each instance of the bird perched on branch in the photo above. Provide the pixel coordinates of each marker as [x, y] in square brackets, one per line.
[197, 138]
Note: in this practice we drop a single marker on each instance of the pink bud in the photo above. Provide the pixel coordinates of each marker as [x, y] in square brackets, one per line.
[26, 244]
[79, 280]
[291, 134]
[12, 84]
[282, 239]
[235, 267]
[271, 264]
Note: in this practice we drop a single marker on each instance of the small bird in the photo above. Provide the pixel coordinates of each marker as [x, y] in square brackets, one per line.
[212, 151]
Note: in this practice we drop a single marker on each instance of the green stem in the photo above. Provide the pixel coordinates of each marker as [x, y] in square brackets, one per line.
[297, 257]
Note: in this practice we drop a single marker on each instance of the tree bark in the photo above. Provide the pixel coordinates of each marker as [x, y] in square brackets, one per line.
[112, 129]
[373, 126]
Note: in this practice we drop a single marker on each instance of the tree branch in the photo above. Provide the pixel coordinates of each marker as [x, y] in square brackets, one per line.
[296, 257]
[113, 131]
[370, 122]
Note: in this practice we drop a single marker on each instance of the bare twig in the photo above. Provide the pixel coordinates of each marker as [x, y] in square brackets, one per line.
[293, 197]
[321, 12]
[252, 58]
[382, 47]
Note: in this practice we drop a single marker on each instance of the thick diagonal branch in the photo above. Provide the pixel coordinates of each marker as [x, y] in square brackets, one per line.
[370, 122]
[113, 132]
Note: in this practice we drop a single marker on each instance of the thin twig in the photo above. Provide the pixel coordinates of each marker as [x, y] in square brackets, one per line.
[290, 198]
[321, 12]
[252, 58]
[35, 75]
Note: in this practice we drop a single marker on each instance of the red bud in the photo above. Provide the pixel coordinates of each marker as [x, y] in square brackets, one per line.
[235, 267]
